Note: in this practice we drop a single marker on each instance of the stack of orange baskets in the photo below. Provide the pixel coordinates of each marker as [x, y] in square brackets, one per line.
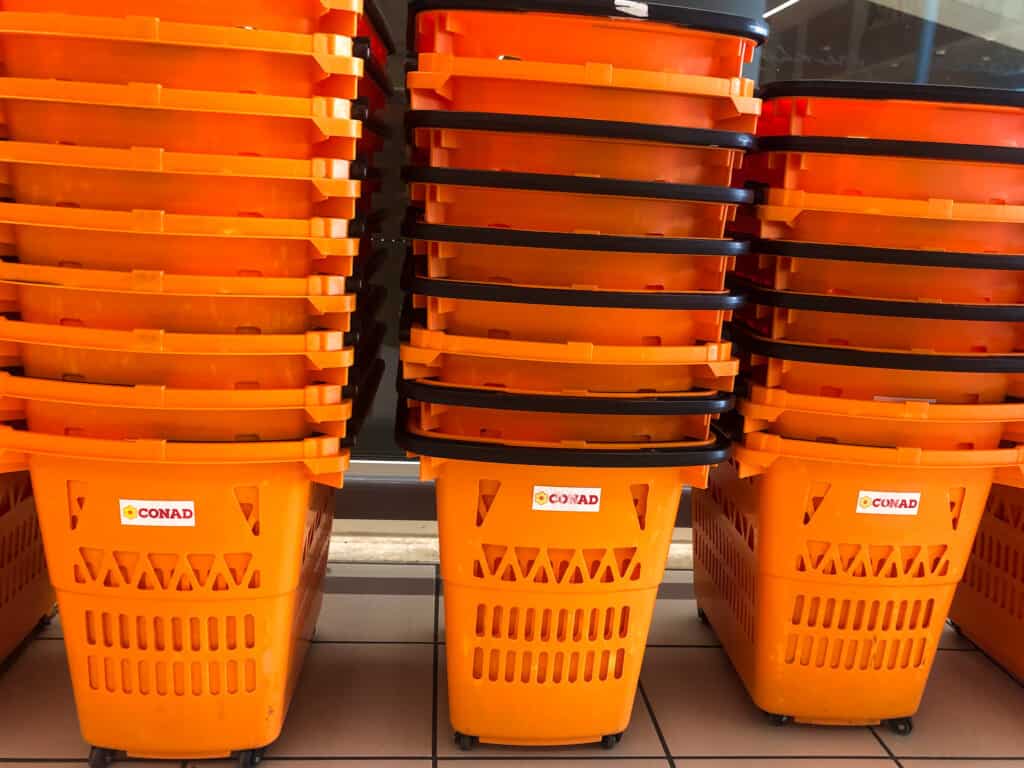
[189, 340]
[563, 362]
[882, 343]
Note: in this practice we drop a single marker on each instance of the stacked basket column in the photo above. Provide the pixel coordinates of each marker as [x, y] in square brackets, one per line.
[190, 340]
[881, 344]
[564, 363]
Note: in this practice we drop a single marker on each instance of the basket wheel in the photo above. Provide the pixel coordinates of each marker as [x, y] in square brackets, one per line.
[901, 726]
[99, 757]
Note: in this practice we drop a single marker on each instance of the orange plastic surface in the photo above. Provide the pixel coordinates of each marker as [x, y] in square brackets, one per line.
[576, 155]
[893, 119]
[571, 39]
[595, 91]
[987, 606]
[568, 212]
[547, 613]
[810, 596]
[26, 597]
[555, 268]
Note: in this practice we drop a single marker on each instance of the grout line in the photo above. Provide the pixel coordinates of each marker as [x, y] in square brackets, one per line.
[532, 757]
[371, 642]
[885, 746]
[657, 725]
[433, 707]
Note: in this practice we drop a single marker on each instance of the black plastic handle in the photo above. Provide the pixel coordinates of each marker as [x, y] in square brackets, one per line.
[568, 297]
[379, 77]
[872, 358]
[546, 182]
[571, 126]
[921, 150]
[380, 24]
[839, 89]
[363, 398]
[520, 238]
[853, 305]
[902, 256]
[498, 400]
[665, 11]
[495, 453]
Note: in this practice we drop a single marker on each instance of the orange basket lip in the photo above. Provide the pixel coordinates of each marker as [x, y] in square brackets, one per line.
[873, 91]
[158, 397]
[761, 447]
[768, 403]
[326, 291]
[865, 357]
[438, 386]
[332, 115]
[985, 154]
[786, 205]
[695, 19]
[567, 352]
[334, 53]
[330, 175]
[435, 68]
[875, 255]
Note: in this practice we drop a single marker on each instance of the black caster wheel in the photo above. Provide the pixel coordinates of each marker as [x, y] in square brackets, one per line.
[100, 757]
[249, 758]
[779, 720]
[465, 743]
[703, 617]
[611, 740]
[901, 726]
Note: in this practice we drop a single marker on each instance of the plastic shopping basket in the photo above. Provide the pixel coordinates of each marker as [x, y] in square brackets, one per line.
[26, 597]
[969, 173]
[529, 313]
[544, 202]
[589, 91]
[562, 260]
[856, 321]
[469, 414]
[873, 373]
[579, 367]
[227, 544]
[897, 111]
[547, 613]
[914, 275]
[565, 146]
[988, 604]
[827, 570]
[669, 36]
[913, 423]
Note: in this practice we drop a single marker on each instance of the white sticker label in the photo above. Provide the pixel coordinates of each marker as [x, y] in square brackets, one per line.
[161, 514]
[551, 498]
[888, 503]
[633, 8]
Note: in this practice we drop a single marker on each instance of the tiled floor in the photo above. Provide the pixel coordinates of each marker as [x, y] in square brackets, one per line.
[368, 697]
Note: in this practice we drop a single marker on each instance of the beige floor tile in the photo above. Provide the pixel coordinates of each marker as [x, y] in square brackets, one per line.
[377, 618]
[865, 762]
[675, 622]
[960, 763]
[970, 709]
[703, 710]
[640, 740]
[607, 762]
[361, 700]
[380, 571]
[37, 709]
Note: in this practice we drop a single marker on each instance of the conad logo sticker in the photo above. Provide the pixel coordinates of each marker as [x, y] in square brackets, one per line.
[551, 498]
[159, 514]
[888, 503]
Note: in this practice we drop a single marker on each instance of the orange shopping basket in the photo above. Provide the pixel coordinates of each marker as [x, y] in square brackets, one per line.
[912, 423]
[649, 318]
[550, 584]
[664, 36]
[872, 373]
[897, 111]
[580, 367]
[227, 543]
[914, 275]
[562, 260]
[567, 146]
[519, 417]
[919, 170]
[534, 201]
[890, 223]
[989, 604]
[827, 571]
[589, 91]
[26, 597]
[856, 321]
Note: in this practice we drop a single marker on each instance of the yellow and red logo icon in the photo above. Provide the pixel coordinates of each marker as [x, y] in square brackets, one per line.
[540, 498]
[865, 502]
[130, 512]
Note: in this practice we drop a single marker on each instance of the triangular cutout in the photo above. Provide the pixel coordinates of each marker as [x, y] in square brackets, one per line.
[640, 494]
[956, 505]
[486, 492]
[248, 498]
